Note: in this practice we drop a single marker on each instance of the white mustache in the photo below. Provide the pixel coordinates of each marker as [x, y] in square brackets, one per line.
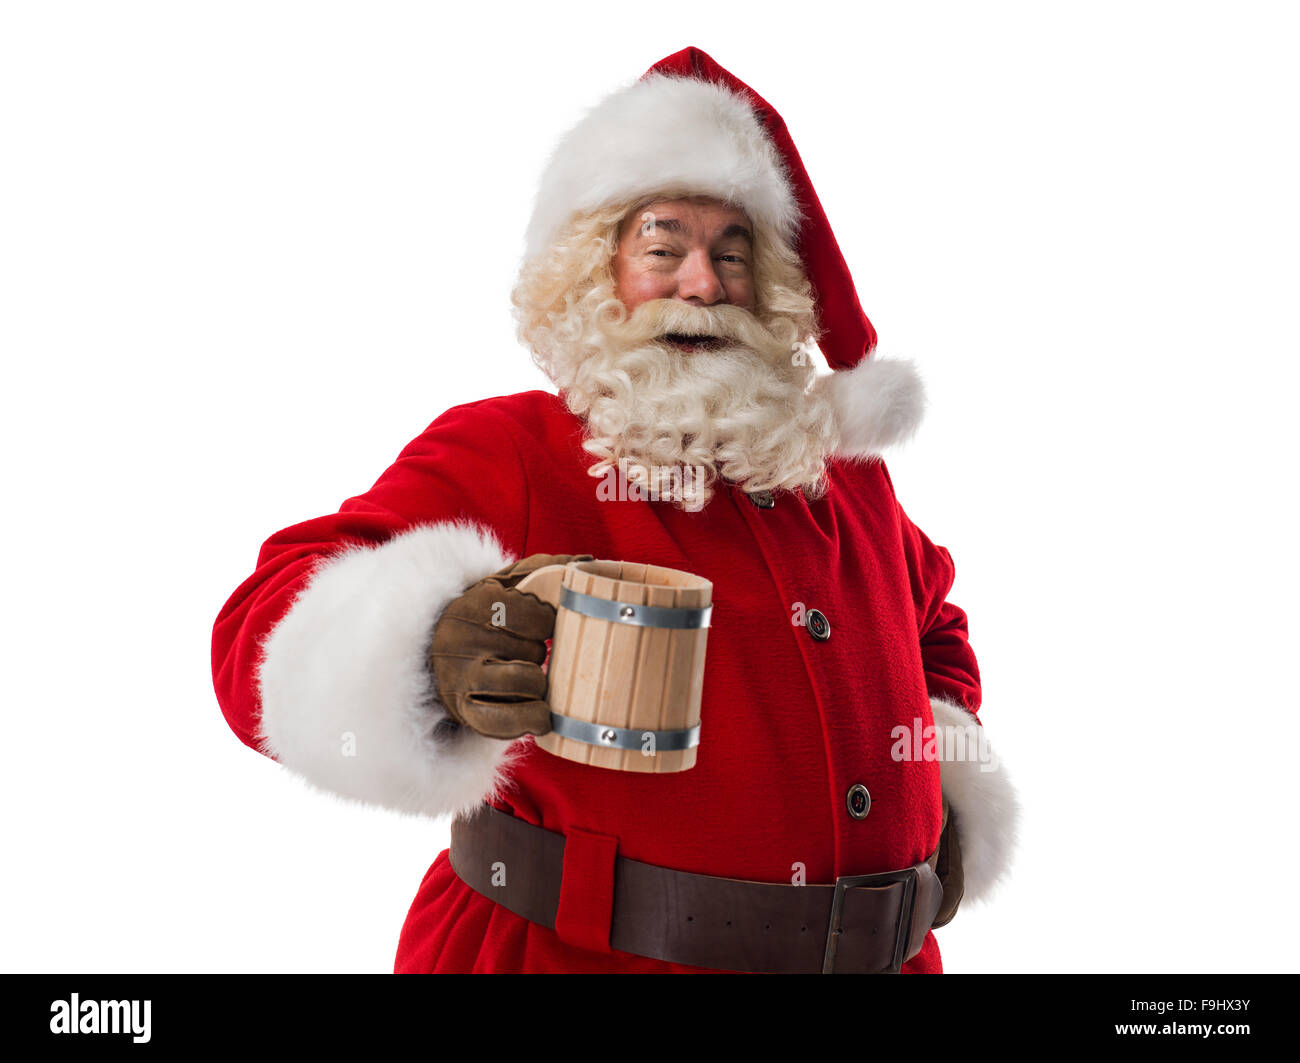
[659, 317]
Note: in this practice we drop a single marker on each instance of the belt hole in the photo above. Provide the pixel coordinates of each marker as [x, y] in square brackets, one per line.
[728, 922]
[690, 918]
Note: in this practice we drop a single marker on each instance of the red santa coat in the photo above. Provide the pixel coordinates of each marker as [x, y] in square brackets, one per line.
[319, 661]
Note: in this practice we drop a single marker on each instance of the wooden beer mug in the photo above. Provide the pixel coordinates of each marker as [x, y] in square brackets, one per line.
[626, 670]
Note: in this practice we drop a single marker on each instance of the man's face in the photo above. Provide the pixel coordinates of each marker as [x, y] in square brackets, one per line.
[690, 375]
[699, 251]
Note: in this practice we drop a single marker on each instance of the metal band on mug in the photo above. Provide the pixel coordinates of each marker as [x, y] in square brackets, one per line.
[636, 615]
[599, 734]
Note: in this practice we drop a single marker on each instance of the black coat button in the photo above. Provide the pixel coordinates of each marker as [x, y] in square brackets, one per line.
[818, 626]
[762, 499]
[859, 801]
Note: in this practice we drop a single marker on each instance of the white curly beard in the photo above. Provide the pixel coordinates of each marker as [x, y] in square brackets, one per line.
[675, 420]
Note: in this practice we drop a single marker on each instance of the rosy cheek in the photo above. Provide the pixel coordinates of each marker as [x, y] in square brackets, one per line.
[637, 288]
[742, 294]
[650, 285]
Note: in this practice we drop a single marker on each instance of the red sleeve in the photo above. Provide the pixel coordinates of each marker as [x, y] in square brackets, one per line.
[464, 466]
[951, 670]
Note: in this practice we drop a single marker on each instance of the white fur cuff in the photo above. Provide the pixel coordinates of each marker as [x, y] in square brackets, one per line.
[983, 802]
[347, 699]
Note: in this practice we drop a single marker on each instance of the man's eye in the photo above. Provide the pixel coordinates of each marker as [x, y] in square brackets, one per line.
[660, 251]
[733, 258]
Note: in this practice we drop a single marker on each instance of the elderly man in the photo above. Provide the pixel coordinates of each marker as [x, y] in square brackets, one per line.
[678, 269]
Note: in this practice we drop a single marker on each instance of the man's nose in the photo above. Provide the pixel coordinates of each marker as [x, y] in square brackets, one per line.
[697, 280]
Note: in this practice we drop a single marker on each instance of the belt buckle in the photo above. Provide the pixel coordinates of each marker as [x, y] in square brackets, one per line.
[908, 877]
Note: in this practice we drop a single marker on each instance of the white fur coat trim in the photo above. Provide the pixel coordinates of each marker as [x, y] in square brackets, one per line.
[982, 802]
[876, 404]
[347, 699]
[664, 136]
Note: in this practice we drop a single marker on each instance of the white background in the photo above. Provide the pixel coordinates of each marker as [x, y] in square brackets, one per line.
[249, 250]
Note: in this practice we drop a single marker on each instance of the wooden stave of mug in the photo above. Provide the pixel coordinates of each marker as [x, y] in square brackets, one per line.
[589, 654]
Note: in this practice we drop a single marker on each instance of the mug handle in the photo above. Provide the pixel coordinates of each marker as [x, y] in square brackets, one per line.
[544, 583]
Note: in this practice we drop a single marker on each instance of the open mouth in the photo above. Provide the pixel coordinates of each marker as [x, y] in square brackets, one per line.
[691, 343]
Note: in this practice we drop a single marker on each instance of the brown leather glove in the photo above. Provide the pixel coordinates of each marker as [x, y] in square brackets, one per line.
[948, 869]
[487, 653]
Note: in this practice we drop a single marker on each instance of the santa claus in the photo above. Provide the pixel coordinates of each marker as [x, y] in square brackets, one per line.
[678, 270]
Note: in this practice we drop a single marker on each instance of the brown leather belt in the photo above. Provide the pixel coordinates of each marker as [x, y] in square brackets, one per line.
[862, 924]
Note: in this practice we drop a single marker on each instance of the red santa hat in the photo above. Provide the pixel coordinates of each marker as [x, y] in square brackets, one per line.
[689, 127]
